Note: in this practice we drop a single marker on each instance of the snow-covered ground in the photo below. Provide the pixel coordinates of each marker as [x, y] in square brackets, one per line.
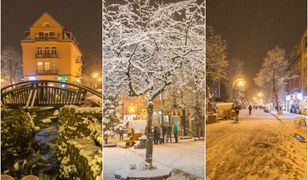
[187, 157]
[259, 147]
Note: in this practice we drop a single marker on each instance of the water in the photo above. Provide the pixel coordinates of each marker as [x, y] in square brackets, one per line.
[40, 157]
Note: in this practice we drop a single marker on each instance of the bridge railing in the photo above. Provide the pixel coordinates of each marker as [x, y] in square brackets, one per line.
[45, 93]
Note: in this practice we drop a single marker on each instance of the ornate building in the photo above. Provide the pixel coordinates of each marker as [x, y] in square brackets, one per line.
[49, 52]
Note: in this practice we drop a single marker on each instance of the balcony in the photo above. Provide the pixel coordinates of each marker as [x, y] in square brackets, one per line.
[45, 38]
[46, 55]
[47, 72]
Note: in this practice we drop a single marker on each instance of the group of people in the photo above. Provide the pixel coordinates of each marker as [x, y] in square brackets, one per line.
[164, 132]
[255, 108]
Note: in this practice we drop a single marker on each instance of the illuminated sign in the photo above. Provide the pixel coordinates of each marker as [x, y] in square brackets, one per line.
[62, 78]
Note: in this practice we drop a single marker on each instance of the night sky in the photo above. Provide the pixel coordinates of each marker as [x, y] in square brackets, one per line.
[251, 27]
[81, 17]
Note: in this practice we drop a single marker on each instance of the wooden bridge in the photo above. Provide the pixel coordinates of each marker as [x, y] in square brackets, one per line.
[45, 93]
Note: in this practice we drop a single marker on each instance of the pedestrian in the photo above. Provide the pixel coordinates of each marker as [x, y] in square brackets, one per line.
[160, 134]
[175, 132]
[121, 132]
[250, 109]
[237, 112]
[156, 135]
[163, 127]
[169, 131]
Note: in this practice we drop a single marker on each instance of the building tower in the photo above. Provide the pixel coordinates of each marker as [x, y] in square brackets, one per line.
[49, 52]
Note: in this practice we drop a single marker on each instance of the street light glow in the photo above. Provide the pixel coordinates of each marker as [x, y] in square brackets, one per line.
[95, 75]
[131, 110]
[240, 83]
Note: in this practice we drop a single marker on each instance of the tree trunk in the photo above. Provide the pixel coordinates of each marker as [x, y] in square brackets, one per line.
[184, 121]
[149, 142]
[275, 94]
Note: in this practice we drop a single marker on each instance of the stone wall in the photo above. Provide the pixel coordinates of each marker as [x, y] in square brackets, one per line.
[80, 142]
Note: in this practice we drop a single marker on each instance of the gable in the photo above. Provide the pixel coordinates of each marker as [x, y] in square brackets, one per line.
[46, 21]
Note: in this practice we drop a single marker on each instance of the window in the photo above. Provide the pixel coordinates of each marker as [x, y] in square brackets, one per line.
[53, 66]
[40, 66]
[47, 66]
[39, 50]
[51, 34]
[41, 34]
[53, 50]
[46, 50]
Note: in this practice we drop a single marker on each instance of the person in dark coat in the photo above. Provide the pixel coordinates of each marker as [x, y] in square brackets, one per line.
[156, 135]
[237, 112]
[164, 130]
[250, 109]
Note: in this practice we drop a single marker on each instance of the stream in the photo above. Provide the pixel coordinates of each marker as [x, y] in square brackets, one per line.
[40, 157]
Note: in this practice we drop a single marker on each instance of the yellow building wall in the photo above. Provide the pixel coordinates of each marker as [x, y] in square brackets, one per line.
[68, 56]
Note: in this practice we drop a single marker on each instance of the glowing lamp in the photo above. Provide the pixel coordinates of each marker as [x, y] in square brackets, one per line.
[32, 78]
[240, 83]
[131, 110]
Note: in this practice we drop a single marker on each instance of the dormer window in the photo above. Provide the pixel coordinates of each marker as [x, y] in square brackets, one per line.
[46, 25]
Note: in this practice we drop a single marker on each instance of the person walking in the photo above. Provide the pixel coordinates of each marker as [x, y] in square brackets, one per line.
[175, 132]
[237, 112]
[250, 109]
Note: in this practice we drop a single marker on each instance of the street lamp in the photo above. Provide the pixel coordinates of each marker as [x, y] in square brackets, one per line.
[95, 75]
[131, 109]
[240, 83]
[260, 94]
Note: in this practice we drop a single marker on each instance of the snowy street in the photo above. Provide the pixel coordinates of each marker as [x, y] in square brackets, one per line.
[259, 147]
[187, 157]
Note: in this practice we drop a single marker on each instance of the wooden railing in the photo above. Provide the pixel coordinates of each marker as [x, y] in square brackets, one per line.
[45, 93]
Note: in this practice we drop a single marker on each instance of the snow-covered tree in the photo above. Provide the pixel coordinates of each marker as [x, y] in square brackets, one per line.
[216, 63]
[216, 57]
[152, 47]
[271, 75]
[11, 68]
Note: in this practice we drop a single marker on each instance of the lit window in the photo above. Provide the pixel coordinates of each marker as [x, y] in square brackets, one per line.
[53, 66]
[39, 66]
[47, 66]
